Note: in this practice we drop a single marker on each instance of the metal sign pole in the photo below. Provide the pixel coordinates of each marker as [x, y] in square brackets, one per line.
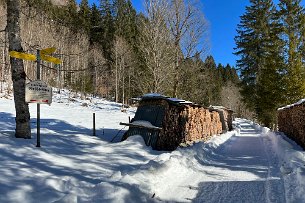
[38, 105]
[42, 87]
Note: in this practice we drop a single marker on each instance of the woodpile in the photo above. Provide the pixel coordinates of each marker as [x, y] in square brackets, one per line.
[291, 121]
[226, 117]
[180, 122]
[187, 123]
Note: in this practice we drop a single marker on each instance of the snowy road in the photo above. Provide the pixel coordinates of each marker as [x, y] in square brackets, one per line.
[246, 171]
[243, 169]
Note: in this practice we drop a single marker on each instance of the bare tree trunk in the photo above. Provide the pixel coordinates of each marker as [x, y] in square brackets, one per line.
[23, 129]
[3, 64]
[123, 88]
[116, 77]
[176, 75]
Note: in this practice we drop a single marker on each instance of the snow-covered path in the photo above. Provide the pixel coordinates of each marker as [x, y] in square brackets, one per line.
[246, 171]
[243, 169]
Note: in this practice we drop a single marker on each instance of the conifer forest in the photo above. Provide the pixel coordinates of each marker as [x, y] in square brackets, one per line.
[111, 50]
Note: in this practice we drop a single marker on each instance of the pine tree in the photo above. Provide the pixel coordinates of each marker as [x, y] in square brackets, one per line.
[221, 75]
[292, 18]
[72, 15]
[212, 82]
[125, 20]
[258, 46]
[234, 76]
[108, 29]
[84, 14]
[95, 25]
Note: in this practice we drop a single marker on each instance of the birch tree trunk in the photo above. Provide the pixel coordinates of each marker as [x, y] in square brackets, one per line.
[23, 129]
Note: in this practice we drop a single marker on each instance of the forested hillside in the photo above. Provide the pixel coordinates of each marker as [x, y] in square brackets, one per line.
[270, 45]
[110, 50]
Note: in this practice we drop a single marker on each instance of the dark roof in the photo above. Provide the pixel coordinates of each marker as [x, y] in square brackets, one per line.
[175, 101]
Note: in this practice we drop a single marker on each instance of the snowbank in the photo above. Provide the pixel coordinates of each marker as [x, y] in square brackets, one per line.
[291, 159]
[301, 101]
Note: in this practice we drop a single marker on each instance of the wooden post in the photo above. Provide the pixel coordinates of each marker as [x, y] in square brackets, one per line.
[38, 105]
[94, 124]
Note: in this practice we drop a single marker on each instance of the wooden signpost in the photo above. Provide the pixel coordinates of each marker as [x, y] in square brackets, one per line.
[37, 91]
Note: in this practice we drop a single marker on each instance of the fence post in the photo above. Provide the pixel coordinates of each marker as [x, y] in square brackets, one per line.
[38, 105]
[94, 124]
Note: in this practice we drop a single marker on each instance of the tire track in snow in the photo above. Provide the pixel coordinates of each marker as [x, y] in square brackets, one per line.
[249, 168]
[243, 169]
[274, 186]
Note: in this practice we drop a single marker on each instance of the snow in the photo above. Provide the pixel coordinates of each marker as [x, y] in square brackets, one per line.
[176, 100]
[143, 123]
[249, 164]
[301, 101]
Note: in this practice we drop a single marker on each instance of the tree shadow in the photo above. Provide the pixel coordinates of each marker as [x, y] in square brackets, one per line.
[68, 154]
[240, 191]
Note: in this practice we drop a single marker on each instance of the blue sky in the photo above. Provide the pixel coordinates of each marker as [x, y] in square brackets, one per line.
[223, 17]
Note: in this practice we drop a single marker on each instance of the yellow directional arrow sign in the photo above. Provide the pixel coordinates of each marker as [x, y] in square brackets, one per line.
[50, 59]
[22, 55]
[44, 55]
[48, 51]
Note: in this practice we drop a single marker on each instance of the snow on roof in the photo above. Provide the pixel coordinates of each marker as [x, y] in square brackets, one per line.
[170, 99]
[176, 100]
[186, 102]
[220, 107]
[143, 123]
[292, 105]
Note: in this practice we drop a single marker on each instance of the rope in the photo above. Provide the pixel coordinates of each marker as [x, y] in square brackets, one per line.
[117, 134]
[65, 70]
[28, 78]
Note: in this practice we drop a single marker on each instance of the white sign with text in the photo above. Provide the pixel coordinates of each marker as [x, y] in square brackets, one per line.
[38, 92]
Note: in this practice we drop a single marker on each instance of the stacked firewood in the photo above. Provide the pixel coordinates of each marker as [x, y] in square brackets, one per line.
[187, 123]
[216, 125]
[226, 117]
[172, 133]
[291, 121]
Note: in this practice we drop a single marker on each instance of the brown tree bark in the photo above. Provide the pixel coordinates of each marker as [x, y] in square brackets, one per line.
[23, 129]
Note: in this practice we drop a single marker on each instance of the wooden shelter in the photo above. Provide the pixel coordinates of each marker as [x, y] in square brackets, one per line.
[165, 123]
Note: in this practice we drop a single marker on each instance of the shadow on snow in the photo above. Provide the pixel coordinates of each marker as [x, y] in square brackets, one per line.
[68, 154]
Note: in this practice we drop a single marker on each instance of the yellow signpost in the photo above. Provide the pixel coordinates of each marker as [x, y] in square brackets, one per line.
[48, 51]
[43, 54]
[21, 55]
[37, 86]
[50, 59]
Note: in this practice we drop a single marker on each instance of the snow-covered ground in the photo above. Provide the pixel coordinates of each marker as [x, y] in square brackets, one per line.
[249, 164]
